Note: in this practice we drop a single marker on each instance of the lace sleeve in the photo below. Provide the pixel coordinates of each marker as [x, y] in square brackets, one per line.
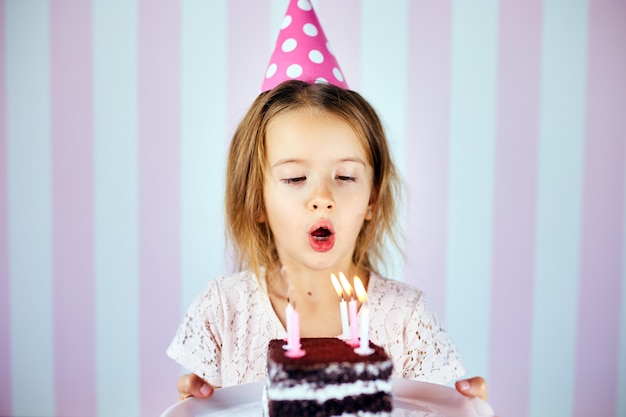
[197, 344]
[429, 354]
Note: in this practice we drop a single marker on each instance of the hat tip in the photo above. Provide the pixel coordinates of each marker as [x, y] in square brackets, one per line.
[302, 51]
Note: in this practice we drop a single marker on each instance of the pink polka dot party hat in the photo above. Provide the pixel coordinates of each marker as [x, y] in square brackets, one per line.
[302, 51]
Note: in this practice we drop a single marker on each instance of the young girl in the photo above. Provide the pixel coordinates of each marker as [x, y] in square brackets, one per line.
[310, 191]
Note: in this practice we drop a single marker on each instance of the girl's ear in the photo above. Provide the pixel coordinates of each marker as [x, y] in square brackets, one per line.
[261, 217]
[369, 214]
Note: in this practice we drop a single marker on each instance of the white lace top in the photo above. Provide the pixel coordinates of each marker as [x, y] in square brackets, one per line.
[224, 335]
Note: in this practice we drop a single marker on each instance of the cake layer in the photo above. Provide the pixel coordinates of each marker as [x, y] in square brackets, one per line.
[288, 391]
[323, 350]
[379, 405]
[331, 373]
[327, 361]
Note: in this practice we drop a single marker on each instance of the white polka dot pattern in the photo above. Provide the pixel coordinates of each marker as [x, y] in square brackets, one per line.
[302, 51]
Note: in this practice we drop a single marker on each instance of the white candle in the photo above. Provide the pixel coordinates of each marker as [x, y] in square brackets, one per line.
[343, 308]
[352, 307]
[364, 345]
[364, 320]
[345, 330]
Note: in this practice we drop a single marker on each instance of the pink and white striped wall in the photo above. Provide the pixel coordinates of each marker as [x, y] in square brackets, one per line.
[507, 119]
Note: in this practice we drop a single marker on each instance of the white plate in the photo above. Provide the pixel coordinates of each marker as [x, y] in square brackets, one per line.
[411, 399]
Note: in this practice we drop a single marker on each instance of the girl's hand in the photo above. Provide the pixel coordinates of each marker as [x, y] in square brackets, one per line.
[472, 387]
[191, 385]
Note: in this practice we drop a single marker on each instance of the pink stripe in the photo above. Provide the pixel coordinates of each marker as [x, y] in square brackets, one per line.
[514, 205]
[249, 53]
[602, 222]
[249, 50]
[341, 21]
[159, 198]
[429, 63]
[6, 402]
[72, 184]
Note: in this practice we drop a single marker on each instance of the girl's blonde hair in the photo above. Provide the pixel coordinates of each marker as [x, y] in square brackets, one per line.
[252, 238]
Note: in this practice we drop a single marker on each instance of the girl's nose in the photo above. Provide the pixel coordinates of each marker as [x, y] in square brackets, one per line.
[322, 199]
[320, 204]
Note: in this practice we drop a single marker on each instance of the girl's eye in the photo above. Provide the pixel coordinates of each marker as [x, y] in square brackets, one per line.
[295, 180]
[346, 178]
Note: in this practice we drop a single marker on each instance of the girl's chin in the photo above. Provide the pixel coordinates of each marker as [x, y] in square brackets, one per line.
[328, 265]
[315, 261]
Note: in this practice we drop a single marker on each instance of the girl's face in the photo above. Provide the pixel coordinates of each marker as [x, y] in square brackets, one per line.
[317, 190]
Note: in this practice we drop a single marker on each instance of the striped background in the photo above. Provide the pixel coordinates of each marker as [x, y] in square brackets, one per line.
[507, 119]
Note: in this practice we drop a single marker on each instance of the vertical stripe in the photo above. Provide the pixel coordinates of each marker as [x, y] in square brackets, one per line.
[621, 365]
[30, 207]
[341, 21]
[519, 69]
[115, 211]
[159, 197]
[248, 55]
[248, 50]
[471, 179]
[427, 146]
[559, 197]
[72, 208]
[278, 8]
[601, 262]
[5, 301]
[204, 143]
[383, 57]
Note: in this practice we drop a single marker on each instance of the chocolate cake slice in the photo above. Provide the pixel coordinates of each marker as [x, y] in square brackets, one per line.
[329, 380]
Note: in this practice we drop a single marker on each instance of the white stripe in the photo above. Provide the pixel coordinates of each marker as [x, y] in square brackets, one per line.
[205, 140]
[29, 206]
[384, 62]
[115, 205]
[278, 9]
[471, 176]
[561, 149]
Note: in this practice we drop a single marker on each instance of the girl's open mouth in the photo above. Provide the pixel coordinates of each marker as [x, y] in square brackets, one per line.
[322, 237]
[321, 233]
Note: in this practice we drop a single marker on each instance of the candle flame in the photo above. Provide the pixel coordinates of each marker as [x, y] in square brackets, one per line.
[361, 294]
[337, 285]
[345, 284]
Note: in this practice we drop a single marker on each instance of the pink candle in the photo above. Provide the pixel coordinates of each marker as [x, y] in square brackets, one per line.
[354, 338]
[288, 318]
[364, 345]
[294, 351]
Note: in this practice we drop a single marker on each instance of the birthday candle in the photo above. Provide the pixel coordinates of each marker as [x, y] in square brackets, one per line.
[288, 318]
[294, 350]
[364, 328]
[364, 345]
[352, 307]
[294, 340]
[343, 308]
